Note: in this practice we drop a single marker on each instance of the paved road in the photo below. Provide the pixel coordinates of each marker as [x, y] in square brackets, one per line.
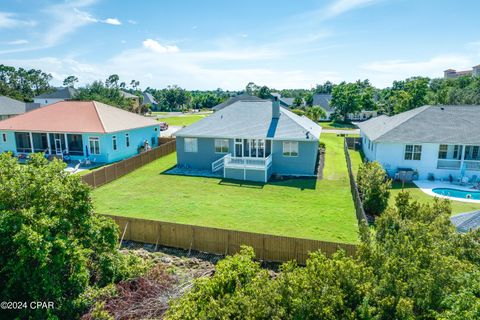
[339, 131]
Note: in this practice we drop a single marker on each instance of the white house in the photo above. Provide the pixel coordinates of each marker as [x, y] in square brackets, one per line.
[60, 94]
[436, 141]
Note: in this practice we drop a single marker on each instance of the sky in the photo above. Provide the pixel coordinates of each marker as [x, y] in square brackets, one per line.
[212, 44]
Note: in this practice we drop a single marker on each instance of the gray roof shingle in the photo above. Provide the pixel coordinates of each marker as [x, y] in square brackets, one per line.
[240, 97]
[60, 93]
[253, 119]
[9, 106]
[323, 100]
[148, 98]
[448, 124]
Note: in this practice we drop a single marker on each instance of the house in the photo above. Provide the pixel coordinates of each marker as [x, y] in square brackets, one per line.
[132, 97]
[79, 130]
[436, 141]
[251, 140]
[10, 107]
[323, 100]
[148, 99]
[60, 94]
[232, 100]
[284, 102]
[452, 73]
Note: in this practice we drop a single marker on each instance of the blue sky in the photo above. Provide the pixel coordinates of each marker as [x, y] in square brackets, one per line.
[210, 44]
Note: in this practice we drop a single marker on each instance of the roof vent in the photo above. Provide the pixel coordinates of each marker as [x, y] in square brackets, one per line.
[442, 108]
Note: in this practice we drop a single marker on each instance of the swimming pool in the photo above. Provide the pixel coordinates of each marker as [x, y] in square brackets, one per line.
[462, 194]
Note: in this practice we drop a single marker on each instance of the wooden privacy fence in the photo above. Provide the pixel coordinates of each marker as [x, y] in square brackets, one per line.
[359, 211]
[114, 171]
[353, 142]
[221, 241]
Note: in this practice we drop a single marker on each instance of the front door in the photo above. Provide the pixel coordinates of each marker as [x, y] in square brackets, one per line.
[58, 146]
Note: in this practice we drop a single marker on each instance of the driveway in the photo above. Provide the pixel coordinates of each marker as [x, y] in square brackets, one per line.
[170, 131]
[465, 222]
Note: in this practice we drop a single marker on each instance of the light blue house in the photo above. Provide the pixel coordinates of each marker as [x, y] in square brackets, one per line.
[79, 130]
[251, 140]
[437, 142]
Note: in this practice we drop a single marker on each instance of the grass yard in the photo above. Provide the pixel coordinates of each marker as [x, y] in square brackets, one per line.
[420, 196]
[331, 125]
[182, 120]
[304, 208]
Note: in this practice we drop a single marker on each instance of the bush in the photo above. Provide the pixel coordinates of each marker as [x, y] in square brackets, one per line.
[52, 246]
[373, 185]
[298, 112]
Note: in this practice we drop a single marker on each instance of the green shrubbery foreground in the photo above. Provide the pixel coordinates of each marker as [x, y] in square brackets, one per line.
[53, 248]
[415, 266]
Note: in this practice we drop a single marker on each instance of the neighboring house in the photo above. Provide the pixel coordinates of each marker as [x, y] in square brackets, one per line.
[284, 102]
[438, 141]
[149, 99]
[129, 96]
[240, 97]
[10, 107]
[60, 94]
[79, 129]
[251, 140]
[323, 100]
[452, 73]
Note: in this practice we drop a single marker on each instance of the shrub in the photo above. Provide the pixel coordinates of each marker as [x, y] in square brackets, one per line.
[373, 185]
[52, 246]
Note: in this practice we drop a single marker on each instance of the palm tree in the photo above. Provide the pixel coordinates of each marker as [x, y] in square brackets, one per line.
[315, 113]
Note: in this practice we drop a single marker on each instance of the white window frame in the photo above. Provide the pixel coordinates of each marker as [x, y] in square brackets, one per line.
[290, 149]
[416, 150]
[93, 151]
[222, 146]
[127, 140]
[190, 145]
[114, 143]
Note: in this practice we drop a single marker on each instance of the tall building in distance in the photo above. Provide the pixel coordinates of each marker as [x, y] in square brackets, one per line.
[452, 73]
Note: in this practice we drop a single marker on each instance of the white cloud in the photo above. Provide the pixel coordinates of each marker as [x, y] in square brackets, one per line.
[157, 47]
[341, 6]
[132, 22]
[8, 20]
[17, 42]
[112, 21]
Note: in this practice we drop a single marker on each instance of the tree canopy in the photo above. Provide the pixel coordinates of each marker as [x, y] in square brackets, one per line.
[22, 84]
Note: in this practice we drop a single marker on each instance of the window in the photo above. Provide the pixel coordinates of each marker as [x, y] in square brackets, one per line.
[22, 139]
[442, 151]
[94, 143]
[221, 145]
[290, 148]
[472, 153]
[413, 152]
[75, 144]
[127, 140]
[114, 142]
[4, 137]
[191, 144]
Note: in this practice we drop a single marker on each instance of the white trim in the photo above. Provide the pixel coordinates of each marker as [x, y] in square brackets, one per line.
[289, 153]
[193, 148]
[66, 142]
[221, 146]
[49, 144]
[31, 142]
[90, 148]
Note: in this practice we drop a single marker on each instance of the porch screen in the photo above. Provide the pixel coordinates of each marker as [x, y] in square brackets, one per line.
[75, 144]
[22, 139]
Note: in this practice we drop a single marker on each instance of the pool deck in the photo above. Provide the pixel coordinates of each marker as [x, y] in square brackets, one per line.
[428, 186]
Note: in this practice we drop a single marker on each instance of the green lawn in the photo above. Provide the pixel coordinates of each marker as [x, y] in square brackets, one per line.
[420, 196]
[331, 125]
[304, 208]
[182, 120]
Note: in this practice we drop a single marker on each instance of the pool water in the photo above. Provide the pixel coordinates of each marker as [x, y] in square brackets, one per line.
[462, 194]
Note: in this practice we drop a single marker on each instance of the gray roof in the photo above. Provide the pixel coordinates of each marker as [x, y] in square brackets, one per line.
[323, 100]
[428, 124]
[148, 98]
[253, 119]
[465, 222]
[240, 97]
[9, 106]
[128, 95]
[287, 101]
[59, 93]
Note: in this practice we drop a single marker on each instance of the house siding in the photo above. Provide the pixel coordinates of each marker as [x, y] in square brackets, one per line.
[205, 155]
[107, 154]
[303, 164]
